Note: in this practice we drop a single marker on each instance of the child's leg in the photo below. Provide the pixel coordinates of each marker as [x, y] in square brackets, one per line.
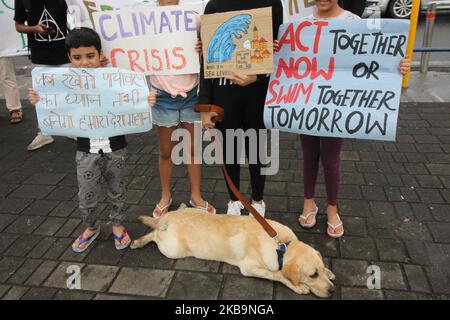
[311, 157]
[165, 162]
[88, 176]
[113, 174]
[194, 170]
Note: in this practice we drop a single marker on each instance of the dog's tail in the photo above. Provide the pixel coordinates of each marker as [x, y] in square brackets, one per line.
[149, 221]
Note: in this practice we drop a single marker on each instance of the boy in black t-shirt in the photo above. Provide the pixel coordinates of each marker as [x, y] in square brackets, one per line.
[97, 158]
[45, 23]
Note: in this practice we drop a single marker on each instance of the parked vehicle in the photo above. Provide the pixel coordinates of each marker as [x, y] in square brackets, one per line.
[400, 9]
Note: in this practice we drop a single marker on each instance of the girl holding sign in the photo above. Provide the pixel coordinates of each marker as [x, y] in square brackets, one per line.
[326, 148]
[176, 98]
[242, 97]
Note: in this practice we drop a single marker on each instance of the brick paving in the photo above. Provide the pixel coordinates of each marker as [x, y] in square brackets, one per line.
[395, 203]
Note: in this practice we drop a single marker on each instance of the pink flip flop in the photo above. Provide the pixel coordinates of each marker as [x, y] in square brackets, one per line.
[305, 218]
[334, 227]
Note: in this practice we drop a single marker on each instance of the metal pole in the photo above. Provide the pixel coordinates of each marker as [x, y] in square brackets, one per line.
[411, 37]
[428, 36]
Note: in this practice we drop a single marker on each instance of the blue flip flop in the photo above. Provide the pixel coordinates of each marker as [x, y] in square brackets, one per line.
[120, 238]
[88, 240]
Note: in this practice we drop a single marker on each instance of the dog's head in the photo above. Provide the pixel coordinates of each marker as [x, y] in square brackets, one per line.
[303, 266]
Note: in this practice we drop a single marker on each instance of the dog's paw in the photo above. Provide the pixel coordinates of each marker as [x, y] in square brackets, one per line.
[330, 274]
[135, 245]
[182, 206]
[302, 289]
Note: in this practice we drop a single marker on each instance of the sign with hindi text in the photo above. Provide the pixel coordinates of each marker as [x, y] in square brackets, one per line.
[338, 78]
[91, 103]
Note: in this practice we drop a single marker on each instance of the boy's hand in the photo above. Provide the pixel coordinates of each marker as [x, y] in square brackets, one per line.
[276, 46]
[198, 45]
[33, 96]
[151, 99]
[242, 79]
[104, 61]
[405, 65]
[39, 28]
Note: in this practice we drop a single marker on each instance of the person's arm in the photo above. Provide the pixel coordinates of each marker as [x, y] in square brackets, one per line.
[205, 94]
[23, 28]
[20, 17]
[356, 7]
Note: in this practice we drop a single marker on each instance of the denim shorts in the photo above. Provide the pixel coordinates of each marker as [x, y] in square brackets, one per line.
[170, 112]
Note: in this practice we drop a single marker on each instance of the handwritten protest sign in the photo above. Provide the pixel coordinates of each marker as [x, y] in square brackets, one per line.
[337, 79]
[297, 9]
[154, 40]
[92, 103]
[80, 11]
[12, 43]
[238, 41]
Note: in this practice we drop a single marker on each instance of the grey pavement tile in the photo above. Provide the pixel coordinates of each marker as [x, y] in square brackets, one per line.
[195, 286]
[60, 276]
[57, 248]
[392, 250]
[25, 271]
[67, 229]
[6, 239]
[391, 276]
[441, 212]
[350, 272]
[45, 178]
[238, 287]
[15, 293]
[143, 282]
[39, 294]
[64, 209]
[32, 191]
[97, 277]
[6, 189]
[41, 247]
[149, 256]
[399, 295]
[63, 193]
[8, 266]
[73, 295]
[3, 289]
[40, 208]
[358, 248]
[6, 220]
[104, 252]
[25, 224]
[41, 273]
[349, 293]
[13, 206]
[416, 278]
[193, 264]
[50, 226]
[440, 231]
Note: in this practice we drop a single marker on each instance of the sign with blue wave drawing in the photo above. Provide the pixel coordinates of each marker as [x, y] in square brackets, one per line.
[237, 41]
[338, 78]
[91, 103]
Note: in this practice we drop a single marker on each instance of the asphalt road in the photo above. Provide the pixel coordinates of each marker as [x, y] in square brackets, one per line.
[441, 38]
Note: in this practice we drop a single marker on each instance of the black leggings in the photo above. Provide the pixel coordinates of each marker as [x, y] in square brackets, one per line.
[244, 109]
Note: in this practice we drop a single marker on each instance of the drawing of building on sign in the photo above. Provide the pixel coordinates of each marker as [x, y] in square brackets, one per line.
[259, 48]
[54, 34]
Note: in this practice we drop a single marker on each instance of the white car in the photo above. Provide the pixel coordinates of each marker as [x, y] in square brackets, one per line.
[400, 9]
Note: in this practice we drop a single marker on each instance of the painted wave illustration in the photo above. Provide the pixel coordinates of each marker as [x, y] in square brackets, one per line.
[221, 46]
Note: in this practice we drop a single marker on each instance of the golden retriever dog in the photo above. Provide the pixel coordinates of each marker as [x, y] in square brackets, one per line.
[242, 242]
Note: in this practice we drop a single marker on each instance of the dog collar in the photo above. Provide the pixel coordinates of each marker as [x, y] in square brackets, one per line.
[280, 252]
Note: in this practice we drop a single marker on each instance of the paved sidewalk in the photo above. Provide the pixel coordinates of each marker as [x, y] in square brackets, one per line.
[395, 203]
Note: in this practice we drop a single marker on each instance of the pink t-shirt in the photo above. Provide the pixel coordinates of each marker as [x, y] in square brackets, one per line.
[177, 84]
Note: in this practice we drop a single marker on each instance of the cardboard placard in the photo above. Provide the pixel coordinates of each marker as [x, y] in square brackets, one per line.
[155, 40]
[238, 41]
[340, 80]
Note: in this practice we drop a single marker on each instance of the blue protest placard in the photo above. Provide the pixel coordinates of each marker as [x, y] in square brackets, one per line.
[91, 103]
[338, 78]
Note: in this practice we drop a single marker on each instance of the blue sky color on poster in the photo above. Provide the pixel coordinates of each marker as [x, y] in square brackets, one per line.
[92, 103]
[338, 78]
